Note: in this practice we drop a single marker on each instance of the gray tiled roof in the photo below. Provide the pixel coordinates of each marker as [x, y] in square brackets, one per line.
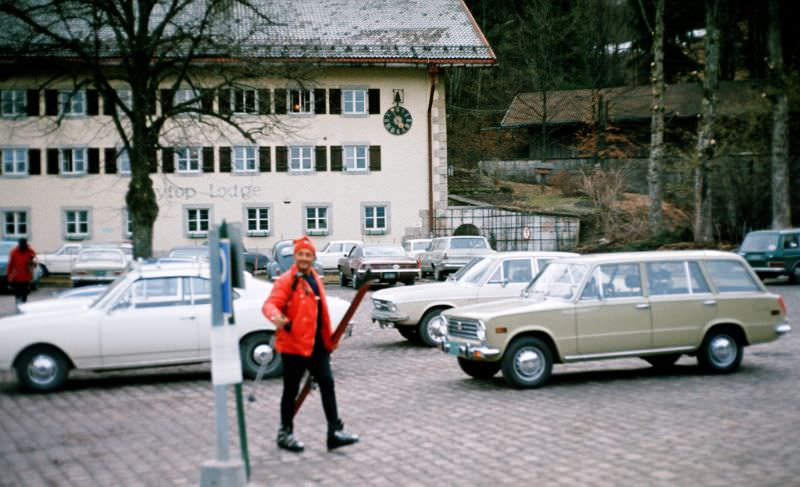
[390, 31]
[632, 103]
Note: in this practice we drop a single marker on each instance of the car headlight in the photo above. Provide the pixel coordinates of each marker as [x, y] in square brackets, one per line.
[481, 331]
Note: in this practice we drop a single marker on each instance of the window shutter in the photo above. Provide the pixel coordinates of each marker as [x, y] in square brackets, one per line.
[32, 103]
[374, 158]
[92, 102]
[111, 160]
[280, 102]
[225, 101]
[108, 103]
[166, 101]
[94, 161]
[281, 159]
[207, 101]
[50, 102]
[264, 161]
[168, 160]
[336, 158]
[224, 159]
[335, 101]
[34, 161]
[374, 101]
[321, 158]
[208, 159]
[152, 161]
[264, 102]
[319, 101]
[52, 161]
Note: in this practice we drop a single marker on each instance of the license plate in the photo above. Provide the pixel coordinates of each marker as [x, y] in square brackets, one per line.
[390, 275]
[99, 273]
[453, 350]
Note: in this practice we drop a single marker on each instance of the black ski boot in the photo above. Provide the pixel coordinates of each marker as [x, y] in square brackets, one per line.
[287, 441]
[338, 437]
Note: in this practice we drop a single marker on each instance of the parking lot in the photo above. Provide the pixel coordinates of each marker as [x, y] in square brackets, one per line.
[423, 422]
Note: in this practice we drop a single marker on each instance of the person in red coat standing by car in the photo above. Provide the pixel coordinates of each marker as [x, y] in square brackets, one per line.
[298, 308]
[21, 262]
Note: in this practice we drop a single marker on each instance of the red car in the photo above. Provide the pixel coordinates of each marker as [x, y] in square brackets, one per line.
[387, 263]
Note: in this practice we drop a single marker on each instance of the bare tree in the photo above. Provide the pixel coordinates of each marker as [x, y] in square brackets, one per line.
[706, 133]
[655, 167]
[153, 48]
[779, 151]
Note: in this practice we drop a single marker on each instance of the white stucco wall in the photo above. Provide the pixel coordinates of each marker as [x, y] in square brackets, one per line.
[401, 184]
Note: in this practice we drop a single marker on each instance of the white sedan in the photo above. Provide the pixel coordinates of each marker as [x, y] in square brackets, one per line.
[498, 276]
[157, 314]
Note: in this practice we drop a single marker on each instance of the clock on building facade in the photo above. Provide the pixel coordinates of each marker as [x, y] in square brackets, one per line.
[397, 120]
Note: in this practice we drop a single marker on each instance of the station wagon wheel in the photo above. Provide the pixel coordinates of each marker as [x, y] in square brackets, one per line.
[527, 363]
[478, 370]
[42, 369]
[662, 361]
[721, 352]
[251, 349]
[342, 280]
[355, 282]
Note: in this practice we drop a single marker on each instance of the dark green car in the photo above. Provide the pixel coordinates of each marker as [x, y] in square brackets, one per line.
[773, 253]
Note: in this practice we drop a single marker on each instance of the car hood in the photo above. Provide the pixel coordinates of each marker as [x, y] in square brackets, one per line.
[508, 307]
[424, 292]
[55, 304]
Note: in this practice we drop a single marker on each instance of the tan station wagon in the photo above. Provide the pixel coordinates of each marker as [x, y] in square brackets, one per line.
[653, 305]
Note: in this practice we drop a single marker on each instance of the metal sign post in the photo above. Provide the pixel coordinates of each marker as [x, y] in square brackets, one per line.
[225, 364]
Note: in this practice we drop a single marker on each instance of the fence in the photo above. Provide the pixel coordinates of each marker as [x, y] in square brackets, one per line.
[510, 229]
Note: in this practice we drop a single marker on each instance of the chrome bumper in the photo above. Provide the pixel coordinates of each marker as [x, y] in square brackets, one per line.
[387, 319]
[469, 350]
[783, 328]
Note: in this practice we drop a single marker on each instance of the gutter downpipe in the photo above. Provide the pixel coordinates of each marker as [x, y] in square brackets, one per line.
[433, 73]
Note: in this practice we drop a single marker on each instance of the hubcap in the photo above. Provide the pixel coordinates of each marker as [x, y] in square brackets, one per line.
[529, 363]
[42, 369]
[262, 354]
[722, 350]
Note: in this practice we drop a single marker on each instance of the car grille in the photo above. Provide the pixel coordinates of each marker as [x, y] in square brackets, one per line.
[463, 328]
[381, 305]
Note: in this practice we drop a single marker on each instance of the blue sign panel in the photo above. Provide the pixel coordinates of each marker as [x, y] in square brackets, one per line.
[225, 276]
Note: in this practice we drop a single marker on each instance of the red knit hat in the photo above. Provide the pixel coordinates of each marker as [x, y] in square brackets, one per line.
[304, 243]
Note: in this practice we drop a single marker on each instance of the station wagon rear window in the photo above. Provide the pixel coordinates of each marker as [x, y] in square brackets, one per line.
[383, 252]
[730, 276]
[668, 278]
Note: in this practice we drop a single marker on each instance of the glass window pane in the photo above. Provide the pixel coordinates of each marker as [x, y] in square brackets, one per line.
[518, 270]
[620, 280]
[730, 276]
[664, 278]
[699, 284]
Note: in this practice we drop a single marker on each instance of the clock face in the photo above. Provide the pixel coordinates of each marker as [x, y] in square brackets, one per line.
[397, 120]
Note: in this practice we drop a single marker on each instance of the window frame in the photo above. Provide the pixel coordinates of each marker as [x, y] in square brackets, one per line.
[4, 221]
[19, 104]
[327, 219]
[66, 98]
[14, 162]
[235, 159]
[346, 158]
[73, 151]
[122, 155]
[311, 159]
[187, 220]
[246, 218]
[374, 230]
[232, 93]
[127, 224]
[65, 212]
[180, 97]
[354, 102]
[178, 156]
[300, 92]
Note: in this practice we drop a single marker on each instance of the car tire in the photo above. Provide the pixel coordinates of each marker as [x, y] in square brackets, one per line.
[478, 370]
[721, 351]
[342, 279]
[42, 369]
[249, 349]
[410, 333]
[794, 277]
[527, 363]
[355, 282]
[424, 329]
[662, 361]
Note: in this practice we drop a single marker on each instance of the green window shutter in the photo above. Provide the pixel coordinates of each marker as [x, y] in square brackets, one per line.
[52, 161]
[167, 96]
[335, 101]
[281, 159]
[280, 102]
[264, 161]
[224, 159]
[92, 102]
[34, 162]
[50, 102]
[321, 158]
[168, 160]
[108, 103]
[264, 102]
[225, 101]
[94, 161]
[207, 101]
[319, 101]
[32, 103]
[374, 158]
[374, 96]
[336, 158]
[152, 161]
[208, 159]
[111, 160]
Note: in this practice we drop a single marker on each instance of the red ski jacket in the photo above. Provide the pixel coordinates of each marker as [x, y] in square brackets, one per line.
[292, 296]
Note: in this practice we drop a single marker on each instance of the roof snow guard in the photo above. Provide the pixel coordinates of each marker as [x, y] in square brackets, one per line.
[336, 31]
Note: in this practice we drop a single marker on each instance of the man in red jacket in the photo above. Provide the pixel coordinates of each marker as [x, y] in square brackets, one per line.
[21, 262]
[298, 308]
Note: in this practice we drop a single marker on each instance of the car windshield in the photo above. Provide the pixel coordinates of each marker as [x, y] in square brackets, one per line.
[760, 242]
[475, 272]
[558, 280]
[395, 251]
[90, 255]
[109, 290]
[468, 243]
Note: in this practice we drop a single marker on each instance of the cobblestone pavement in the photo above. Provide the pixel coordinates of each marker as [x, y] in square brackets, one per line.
[423, 422]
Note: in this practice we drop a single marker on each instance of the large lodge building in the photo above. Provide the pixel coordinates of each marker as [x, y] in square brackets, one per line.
[334, 168]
